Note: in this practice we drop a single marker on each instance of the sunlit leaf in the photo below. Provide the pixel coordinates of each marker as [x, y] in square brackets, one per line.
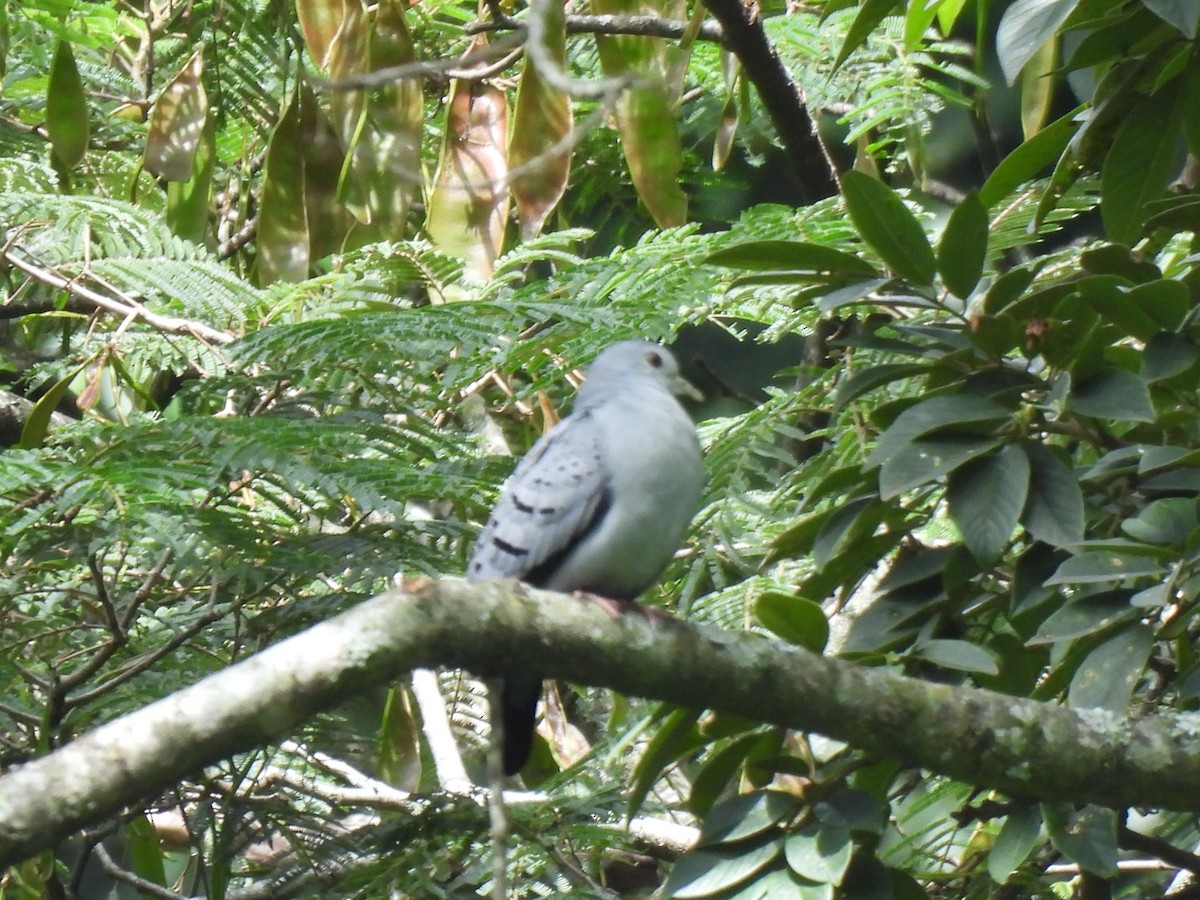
[66, 108]
[177, 123]
[541, 131]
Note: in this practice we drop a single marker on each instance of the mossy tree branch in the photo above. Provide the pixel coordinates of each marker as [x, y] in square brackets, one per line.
[1019, 746]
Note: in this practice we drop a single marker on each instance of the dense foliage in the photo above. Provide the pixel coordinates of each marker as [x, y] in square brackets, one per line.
[271, 331]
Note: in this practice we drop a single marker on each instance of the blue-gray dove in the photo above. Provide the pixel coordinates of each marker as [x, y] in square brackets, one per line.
[599, 504]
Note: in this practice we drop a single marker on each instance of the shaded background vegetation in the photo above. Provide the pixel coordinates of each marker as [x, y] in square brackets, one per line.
[274, 320]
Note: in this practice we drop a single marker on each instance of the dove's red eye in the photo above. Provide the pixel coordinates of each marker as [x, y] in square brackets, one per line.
[654, 360]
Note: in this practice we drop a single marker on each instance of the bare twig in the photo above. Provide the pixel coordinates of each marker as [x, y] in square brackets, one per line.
[126, 307]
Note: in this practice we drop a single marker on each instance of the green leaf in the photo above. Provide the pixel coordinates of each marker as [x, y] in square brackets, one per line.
[1101, 566]
[819, 853]
[745, 816]
[1140, 162]
[66, 108]
[795, 619]
[1084, 616]
[870, 14]
[1168, 354]
[145, 850]
[1108, 675]
[33, 432]
[1054, 508]
[1017, 838]
[928, 459]
[854, 809]
[801, 256]
[986, 497]
[963, 247]
[1087, 836]
[710, 871]
[962, 656]
[1166, 522]
[177, 123]
[1038, 83]
[866, 380]
[956, 412]
[885, 223]
[1028, 160]
[1113, 394]
[676, 736]
[1024, 28]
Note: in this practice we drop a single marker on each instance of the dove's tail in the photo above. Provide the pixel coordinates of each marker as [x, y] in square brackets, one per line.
[519, 699]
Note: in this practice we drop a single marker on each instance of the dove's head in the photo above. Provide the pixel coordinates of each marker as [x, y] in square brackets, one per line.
[640, 361]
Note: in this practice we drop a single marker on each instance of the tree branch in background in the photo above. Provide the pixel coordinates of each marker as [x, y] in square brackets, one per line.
[1019, 746]
[742, 26]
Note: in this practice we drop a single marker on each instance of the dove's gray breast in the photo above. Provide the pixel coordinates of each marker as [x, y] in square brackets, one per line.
[602, 501]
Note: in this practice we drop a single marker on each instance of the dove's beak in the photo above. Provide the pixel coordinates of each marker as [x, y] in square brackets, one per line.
[684, 388]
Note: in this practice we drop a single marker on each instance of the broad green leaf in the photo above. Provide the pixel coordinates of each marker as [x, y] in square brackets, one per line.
[956, 413]
[858, 292]
[870, 14]
[468, 208]
[782, 882]
[1112, 394]
[1030, 158]
[710, 871]
[791, 256]
[1087, 615]
[1164, 300]
[645, 113]
[37, 423]
[177, 123]
[1108, 675]
[1024, 28]
[745, 816]
[847, 523]
[1183, 14]
[399, 741]
[986, 497]
[386, 152]
[1016, 840]
[1140, 161]
[1167, 522]
[854, 809]
[1037, 88]
[1100, 566]
[963, 248]
[319, 23]
[677, 734]
[717, 770]
[188, 201]
[1054, 508]
[795, 619]
[145, 850]
[819, 853]
[888, 226]
[866, 380]
[539, 147]
[283, 246]
[1087, 836]
[66, 108]
[962, 656]
[928, 459]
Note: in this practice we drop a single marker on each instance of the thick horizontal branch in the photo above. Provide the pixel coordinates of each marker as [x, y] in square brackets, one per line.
[1016, 745]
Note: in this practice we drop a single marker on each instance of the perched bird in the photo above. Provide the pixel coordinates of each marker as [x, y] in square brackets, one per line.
[599, 504]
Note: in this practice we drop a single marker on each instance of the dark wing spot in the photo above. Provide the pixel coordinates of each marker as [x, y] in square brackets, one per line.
[523, 507]
[539, 574]
[510, 549]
